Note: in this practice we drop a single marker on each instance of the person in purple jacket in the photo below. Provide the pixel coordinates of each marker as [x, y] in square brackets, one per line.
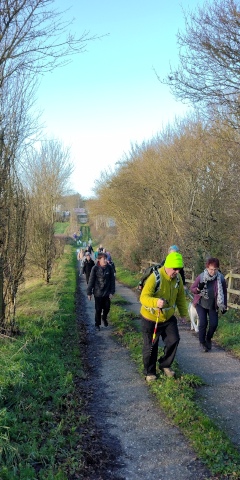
[210, 296]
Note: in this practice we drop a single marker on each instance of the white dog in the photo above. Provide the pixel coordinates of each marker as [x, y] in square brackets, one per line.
[192, 312]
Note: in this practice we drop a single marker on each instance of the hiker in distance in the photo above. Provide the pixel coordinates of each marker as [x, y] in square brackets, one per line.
[210, 296]
[102, 285]
[158, 319]
[88, 264]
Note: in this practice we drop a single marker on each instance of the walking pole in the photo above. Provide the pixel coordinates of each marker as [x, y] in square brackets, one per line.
[155, 329]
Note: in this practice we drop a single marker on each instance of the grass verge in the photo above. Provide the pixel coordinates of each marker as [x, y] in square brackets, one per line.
[126, 277]
[177, 398]
[40, 411]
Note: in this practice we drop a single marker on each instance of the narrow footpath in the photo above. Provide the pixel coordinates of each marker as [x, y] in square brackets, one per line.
[140, 443]
[219, 397]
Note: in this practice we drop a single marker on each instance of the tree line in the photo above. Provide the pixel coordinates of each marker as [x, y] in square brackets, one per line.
[35, 38]
[182, 186]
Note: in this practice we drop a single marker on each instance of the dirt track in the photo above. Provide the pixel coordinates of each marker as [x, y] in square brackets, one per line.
[131, 437]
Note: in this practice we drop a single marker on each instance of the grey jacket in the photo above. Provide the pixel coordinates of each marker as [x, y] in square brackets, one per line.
[101, 282]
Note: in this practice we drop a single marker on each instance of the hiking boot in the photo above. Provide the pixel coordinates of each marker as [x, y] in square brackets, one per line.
[203, 347]
[97, 327]
[150, 378]
[209, 344]
[168, 372]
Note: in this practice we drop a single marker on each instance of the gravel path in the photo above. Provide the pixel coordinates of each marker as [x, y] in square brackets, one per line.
[144, 444]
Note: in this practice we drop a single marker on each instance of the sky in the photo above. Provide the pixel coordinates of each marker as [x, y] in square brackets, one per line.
[109, 98]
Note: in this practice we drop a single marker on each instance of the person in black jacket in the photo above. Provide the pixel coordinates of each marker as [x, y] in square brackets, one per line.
[102, 285]
[88, 264]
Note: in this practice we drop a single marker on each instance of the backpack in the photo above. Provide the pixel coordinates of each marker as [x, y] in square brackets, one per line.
[147, 272]
[154, 269]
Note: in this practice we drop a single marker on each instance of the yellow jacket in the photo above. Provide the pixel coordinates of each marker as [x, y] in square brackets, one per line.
[170, 289]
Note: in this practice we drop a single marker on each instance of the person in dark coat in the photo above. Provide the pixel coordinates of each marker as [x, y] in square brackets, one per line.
[102, 285]
[88, 264]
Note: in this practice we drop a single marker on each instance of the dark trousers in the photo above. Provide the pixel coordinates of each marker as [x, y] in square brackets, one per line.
[170, 336]
[206, 327]
[102, 307]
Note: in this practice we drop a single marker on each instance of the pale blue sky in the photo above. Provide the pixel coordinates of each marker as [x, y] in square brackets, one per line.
[109, 97]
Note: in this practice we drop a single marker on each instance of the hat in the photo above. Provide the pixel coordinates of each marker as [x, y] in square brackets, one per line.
[88, 253]
[173, 248]
[174, 260]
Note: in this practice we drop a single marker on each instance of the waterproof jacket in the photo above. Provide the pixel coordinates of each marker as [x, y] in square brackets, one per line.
[101, 282]
[171, 290]
[197, 295]
[87, 267]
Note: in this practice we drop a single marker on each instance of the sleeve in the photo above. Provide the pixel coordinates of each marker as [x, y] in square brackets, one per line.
[224, 285]
[112, 281]
[147, 297]
[193, 287]
[91, 282]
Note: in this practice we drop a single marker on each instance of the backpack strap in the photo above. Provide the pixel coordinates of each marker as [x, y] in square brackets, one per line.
[157, 278]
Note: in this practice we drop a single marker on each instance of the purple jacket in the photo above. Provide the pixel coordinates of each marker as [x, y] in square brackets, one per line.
[197, 297]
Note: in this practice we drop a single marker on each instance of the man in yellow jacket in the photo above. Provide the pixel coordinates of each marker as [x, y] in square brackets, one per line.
[158, 319]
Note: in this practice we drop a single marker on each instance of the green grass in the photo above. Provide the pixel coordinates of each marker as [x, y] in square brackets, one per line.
[40, 410]
[61, 227]
[129, 279]
[228, 332]
[178, 399]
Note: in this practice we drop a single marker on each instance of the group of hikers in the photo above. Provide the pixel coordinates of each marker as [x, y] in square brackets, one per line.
[99, 270]
[162, 292]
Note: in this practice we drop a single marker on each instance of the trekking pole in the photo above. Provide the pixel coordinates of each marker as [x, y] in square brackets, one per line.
[155, 329]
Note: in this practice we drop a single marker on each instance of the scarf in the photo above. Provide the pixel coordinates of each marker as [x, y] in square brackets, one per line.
[220, 294]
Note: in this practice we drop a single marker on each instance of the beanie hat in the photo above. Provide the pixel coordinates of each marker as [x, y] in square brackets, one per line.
[174, 260]
[173, 247]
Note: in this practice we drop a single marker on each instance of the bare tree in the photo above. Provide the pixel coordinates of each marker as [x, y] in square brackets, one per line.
[13, 250]
[35, 37]
[208, 75]
[15, 127]
[46, 178]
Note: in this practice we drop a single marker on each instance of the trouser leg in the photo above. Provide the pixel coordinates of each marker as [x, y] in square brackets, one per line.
[98, 310]
[213, 323]
[105, 307]
[170, 335]
[203, 323]
[149, 351]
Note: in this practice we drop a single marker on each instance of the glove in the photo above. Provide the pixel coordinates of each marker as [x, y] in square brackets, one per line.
[201, 285]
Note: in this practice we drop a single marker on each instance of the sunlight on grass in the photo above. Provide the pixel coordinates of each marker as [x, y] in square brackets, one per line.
[38, 402]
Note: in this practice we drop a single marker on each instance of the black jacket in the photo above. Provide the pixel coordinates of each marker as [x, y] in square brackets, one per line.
[101, 282]
[87, 267]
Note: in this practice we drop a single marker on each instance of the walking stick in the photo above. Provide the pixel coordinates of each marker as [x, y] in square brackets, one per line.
[155, 329]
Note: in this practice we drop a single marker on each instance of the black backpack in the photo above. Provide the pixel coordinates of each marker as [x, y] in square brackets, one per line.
[152, 269]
